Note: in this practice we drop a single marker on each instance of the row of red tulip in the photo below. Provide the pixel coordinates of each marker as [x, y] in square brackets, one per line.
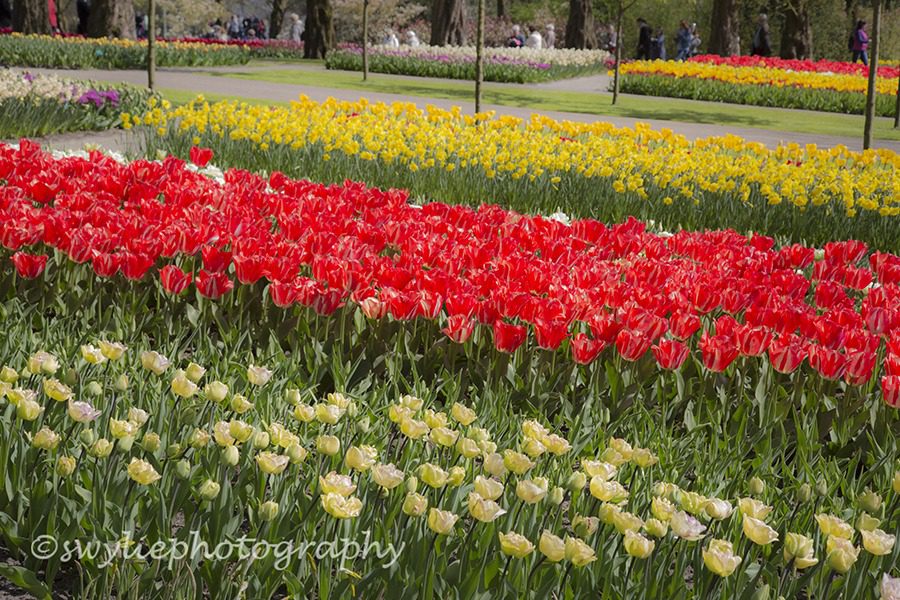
[818, 66]
[594, 285]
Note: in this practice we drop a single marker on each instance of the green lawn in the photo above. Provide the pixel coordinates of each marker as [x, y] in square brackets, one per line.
[543, 99]
[176, 96]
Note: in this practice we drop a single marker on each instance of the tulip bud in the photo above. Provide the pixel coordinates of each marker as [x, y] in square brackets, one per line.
[194, 372]
[65, 466]
[209, 489]
[869, 501]
[268, 510]
[656, 528]
[804, 493]
[456, 477]
[173, 450]
[199, 439]
[8, 375]
[240, 404]
[757, 487]
[363, 425]
[183, 469]
[260, 440]
[230, 455]
[352, 409]
[761, 593]
[292, 395]
[867, 522]
[821, 487]
[818, 254]
[328, 445]
[412, 484]
[576, 482]
[215, 391]
[896, 482]
[150, 442]
[126, 443]
[101, 448]
[556, 495]
[296, 453]
[70, 377]
[93, 388]
[87, 436]
[585, 526]
[122, 383]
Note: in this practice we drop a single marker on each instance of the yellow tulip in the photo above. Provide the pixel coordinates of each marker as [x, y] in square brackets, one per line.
[271, 463]
[142, 472]
[482, 509]
[877, 542]
[515, 545]
[719, 557]
[340, 507]
[637, 545]
[578, 552]
[441, 521]
[552, 547]
[415, 504]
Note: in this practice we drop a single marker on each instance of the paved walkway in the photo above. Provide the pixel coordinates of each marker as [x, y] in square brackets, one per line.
[196, 81]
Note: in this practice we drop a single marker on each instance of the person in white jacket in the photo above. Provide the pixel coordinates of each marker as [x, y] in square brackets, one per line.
[534, 39]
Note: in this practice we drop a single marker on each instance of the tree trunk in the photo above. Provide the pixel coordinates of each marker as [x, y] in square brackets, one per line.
[501, 9]
[365, 40]
[725, 28]
[111, 18]
[151, 45]
[479, 55]
[318, 36]
[448, 22]
[871, 90]
[618, 56]
[580, 26]
[31, 16]
[796, 36]
[276, 19]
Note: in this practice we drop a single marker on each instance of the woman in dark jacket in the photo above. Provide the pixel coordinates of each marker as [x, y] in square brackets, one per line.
[761, 45]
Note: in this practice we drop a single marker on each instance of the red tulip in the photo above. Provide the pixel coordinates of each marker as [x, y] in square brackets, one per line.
[829, 363]
[508, 337]
[213, 285]
[200, 156]
[550, 334]
[717, 351]
[283, 294]
[459, 328]
[214, 259]
[585, 350]
[135, 266]
[106, 265]
[248, 269]
[327, 302]
[632, 345]
[605, 327]
[890, 390]
[752, 341]
[670, 354]
[860, 366]
[430, 304]
[683, 325]
[29, 266]
[892, 364]
[786, 353]
[878, 320]
[174, 280]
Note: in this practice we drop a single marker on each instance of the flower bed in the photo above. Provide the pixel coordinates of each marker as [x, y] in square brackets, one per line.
[286, 371]
[513, 65]
[88, 53]
[37, 105]
[796, 194]
[886, 71]
[761, 82]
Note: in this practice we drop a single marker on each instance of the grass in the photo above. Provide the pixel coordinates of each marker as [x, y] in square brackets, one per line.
[545, 99]
[177, 97]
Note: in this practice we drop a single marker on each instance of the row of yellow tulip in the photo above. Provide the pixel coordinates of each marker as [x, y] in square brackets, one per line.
[586, 169]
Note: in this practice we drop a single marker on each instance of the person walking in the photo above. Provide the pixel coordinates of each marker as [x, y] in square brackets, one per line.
[644, 40]
[859, 43]
[658, 52]
[296, 31]
[695, 40]
[550, 36]
[761, 45]
[683, 42]
[534, 39]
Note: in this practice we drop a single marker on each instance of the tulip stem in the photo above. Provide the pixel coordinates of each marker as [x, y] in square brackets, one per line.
[562, 585]
[531, 573]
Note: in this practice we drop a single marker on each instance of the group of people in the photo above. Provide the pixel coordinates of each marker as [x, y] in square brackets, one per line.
[410, 38]
[532, 38]
[652, 46]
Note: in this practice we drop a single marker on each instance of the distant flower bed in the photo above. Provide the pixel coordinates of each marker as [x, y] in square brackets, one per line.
[257, 48]
[513, 65]
[35, 105]
[887, 70]
[85, 53]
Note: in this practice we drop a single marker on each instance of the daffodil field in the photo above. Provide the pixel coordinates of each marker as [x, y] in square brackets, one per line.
[541, 360]
[825, 86]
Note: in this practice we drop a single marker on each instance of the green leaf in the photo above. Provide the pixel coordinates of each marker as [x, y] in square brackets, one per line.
[26, 580]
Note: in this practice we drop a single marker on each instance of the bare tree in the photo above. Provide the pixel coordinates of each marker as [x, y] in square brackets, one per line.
[580, 26]
[725, 30]
[112, 18]
[31, 16]
[448, 19]
[620, 7]
[501, 9]
[318, 36]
